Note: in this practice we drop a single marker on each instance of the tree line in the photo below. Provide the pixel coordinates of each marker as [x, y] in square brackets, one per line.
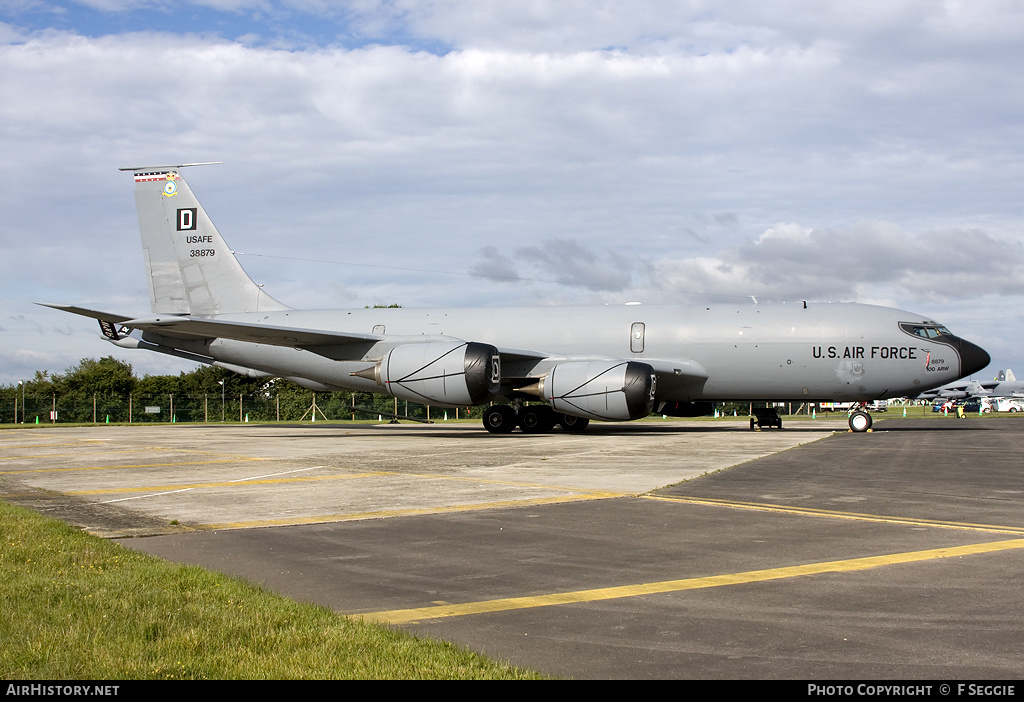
[107, 390]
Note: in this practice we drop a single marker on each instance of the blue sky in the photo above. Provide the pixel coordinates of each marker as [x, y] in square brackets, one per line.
[284, 25]
[486, 153]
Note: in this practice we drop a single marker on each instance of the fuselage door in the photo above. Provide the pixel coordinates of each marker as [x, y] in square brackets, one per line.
[636, 337]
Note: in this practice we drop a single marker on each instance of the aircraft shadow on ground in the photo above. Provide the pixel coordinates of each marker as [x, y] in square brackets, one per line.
[593, 430]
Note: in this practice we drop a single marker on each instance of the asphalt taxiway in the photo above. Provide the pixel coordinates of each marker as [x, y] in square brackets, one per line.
[800, 553]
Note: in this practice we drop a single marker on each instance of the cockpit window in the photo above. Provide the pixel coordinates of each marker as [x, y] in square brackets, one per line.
[926, 331]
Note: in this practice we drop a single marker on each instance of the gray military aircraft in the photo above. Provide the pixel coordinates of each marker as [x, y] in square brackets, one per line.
[603, 363]
[1005, 384]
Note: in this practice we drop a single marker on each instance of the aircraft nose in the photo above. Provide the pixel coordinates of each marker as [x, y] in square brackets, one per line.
[972, 357]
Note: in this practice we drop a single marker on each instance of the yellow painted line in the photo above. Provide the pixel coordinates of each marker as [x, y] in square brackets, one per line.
[124, 467]
[404, 616]
[835, 514]
[339, 476]
[20, 436]
[222, 484]
[239, 456]
[381, 514]
[509, 483]
[101, 450]
[32, 446]
[80, 454]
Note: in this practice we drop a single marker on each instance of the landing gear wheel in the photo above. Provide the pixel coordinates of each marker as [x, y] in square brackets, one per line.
[536, 419]
[572, 424]
[499, 419]
[860, 421]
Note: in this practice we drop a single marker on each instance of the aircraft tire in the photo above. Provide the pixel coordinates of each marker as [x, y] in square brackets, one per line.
[860, 421]
[536, 419]
[499, 419]
[572, 424]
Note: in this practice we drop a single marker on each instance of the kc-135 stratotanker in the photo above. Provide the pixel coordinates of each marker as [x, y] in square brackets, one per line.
[535, 366]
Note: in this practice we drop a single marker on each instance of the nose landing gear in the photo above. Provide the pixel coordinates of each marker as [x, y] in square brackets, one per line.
[860, 421]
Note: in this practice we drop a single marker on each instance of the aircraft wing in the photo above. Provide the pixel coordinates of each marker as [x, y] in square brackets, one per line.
[672, 374]
[196, 328]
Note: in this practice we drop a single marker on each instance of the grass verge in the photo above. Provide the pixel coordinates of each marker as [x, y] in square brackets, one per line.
[74, 606]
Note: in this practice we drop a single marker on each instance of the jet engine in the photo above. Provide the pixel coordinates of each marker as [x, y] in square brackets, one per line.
[609, 390]
[444, 373]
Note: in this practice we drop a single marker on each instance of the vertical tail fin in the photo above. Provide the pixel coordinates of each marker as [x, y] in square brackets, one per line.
[191, 269]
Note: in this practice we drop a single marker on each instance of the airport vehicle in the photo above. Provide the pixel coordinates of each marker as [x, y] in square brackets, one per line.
[1008, 404]
[604, 363]
[973, 406]
[765, 417]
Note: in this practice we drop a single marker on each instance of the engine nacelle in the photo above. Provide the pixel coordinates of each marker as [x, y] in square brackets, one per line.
[609, 390]
[444, 373]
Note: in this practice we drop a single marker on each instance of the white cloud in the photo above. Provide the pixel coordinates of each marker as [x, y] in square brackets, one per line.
[628, 149]
[789, 261]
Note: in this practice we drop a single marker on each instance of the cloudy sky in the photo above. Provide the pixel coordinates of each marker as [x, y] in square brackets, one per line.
[476, 152]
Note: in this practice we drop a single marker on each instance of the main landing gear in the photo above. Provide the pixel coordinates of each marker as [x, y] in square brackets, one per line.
[532, 419]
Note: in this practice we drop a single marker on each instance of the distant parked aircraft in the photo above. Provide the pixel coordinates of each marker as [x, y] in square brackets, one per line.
[1005, 384]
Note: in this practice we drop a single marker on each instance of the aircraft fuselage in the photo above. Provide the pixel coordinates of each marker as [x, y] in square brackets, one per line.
[821, 351]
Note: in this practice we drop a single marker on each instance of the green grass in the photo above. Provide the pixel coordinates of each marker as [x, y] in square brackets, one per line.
[74, 606]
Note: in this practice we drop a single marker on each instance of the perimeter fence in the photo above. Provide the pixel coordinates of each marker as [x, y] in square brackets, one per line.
[141, 408]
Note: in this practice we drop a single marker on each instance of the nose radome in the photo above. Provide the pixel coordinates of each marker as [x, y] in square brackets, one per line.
[972, 357]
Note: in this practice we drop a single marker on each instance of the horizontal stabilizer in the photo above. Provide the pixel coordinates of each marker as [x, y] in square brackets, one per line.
[86, 312]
